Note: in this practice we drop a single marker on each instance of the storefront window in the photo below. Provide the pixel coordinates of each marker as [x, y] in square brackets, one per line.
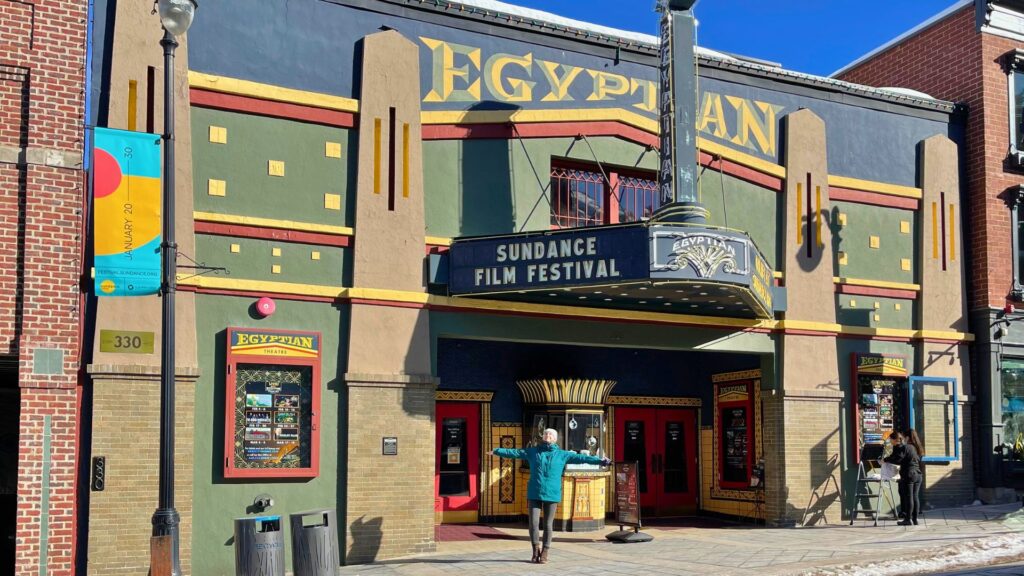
[1012, 378]
[580, 432]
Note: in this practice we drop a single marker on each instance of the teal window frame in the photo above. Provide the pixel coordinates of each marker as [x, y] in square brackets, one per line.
[956, 416]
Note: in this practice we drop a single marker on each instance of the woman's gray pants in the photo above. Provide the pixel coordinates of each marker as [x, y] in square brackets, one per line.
[549, 521]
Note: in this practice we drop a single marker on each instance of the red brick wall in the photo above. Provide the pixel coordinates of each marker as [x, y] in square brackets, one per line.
[42, 63]
[952, 61]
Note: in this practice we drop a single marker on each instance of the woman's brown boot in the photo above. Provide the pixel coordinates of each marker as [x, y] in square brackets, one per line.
[536, 555]
[543, 557]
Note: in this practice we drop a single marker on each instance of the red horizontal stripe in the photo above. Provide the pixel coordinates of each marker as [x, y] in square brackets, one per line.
[873, 198]
[236, 103]
[539, 130]
[740, 171]
[880, 292]
[243, 231]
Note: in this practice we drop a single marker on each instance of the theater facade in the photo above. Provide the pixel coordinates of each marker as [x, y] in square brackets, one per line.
[437, 221]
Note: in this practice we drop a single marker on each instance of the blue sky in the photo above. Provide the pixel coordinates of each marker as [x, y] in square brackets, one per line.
[813, 36]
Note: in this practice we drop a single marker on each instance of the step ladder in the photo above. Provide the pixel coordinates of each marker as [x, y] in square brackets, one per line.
[871, 501]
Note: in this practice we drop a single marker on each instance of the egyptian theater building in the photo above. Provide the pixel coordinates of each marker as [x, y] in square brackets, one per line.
[446, 226]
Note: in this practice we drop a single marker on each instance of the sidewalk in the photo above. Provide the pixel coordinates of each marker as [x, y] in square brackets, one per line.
[706, 547]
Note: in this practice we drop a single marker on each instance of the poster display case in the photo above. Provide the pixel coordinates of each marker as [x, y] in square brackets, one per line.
[271, 425]
[880, 398]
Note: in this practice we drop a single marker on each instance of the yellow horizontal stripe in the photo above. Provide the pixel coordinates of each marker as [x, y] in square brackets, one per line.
[872, 186]
[262, 286]
[505, 116]
[868, 331]
[272, 223]
[580, 312]
[876, 283]
[741, 158]
[270, 92]
[438, 241]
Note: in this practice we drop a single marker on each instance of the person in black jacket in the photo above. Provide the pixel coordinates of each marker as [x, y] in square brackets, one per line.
[905, 455]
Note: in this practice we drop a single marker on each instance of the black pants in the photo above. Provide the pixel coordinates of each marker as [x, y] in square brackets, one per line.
[549, 521]
[910, 498]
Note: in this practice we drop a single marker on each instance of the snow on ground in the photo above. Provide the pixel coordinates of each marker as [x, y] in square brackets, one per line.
[995, 550]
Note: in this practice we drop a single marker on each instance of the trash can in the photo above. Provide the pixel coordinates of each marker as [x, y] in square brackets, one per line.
[259, 546]
[315, 543]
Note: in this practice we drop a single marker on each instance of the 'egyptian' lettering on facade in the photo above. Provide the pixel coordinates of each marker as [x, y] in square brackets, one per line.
[463, 73]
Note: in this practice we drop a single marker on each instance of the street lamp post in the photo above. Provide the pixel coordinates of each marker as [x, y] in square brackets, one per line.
[175, 17]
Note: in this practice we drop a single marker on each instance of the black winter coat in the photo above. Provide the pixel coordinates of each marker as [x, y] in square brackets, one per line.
[907, 458]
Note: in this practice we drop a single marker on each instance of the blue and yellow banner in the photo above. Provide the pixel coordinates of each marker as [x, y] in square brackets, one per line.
[126, 212]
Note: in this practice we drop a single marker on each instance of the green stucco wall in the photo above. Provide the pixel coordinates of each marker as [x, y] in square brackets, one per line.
[255, 260]
[218, 501]
[475, 187]
[242, 162]
[853, 238]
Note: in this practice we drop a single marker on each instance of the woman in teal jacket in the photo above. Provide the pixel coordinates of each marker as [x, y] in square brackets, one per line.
[544, 490]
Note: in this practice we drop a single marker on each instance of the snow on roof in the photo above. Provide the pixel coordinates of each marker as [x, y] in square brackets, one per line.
[907, 92]
[547, 17]
[923, 25]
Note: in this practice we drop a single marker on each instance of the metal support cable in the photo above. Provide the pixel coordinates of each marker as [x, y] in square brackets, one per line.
[543, 187]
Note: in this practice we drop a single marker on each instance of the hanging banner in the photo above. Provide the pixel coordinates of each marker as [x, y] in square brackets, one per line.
[126, 212]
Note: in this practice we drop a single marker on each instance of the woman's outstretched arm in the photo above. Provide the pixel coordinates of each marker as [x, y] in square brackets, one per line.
[514, 453]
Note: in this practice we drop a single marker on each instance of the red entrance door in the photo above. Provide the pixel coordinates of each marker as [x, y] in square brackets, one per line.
[664, 442]
[456, 488]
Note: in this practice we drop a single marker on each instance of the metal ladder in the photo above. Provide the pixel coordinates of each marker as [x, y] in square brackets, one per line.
[864, 494]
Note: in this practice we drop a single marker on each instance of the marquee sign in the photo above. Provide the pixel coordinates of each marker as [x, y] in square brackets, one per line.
[561, 258]
[699, 269]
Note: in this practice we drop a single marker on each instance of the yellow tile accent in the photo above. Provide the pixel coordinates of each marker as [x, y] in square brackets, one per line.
[235, 248]
[332, 149]
[877, 317]
[877, 305]
[843, 258]
[842, 219]
[275, 167]
[275, 251]
[904, 226]
[314, 255]
[905, 264]
[332, 201]
[874, 241]
[216, 187]
[275, 269]
[898, 306]
[218, 135]
[853, 303]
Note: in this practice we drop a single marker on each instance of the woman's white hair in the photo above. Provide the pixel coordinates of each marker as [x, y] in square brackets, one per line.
[552, 430]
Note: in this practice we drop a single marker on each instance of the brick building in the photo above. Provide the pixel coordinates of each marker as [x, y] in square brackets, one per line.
[438, 220]
[42, 64]
[973, 53]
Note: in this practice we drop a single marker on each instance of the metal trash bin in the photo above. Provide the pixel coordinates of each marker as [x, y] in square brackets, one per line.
[315, 543]
[259, 546]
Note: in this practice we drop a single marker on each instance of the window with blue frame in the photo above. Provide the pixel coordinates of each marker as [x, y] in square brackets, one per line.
[934, 413]
[1011, 376]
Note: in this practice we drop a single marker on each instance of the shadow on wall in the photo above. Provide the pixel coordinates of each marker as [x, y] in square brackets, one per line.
[366, 540]
[809, 249]
[825, 491]
[486, 197]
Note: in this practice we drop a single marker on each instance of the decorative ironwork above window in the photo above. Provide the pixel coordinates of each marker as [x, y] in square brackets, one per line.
[591, 195]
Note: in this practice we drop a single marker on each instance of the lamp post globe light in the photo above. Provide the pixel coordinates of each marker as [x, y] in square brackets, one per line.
[175, 17]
